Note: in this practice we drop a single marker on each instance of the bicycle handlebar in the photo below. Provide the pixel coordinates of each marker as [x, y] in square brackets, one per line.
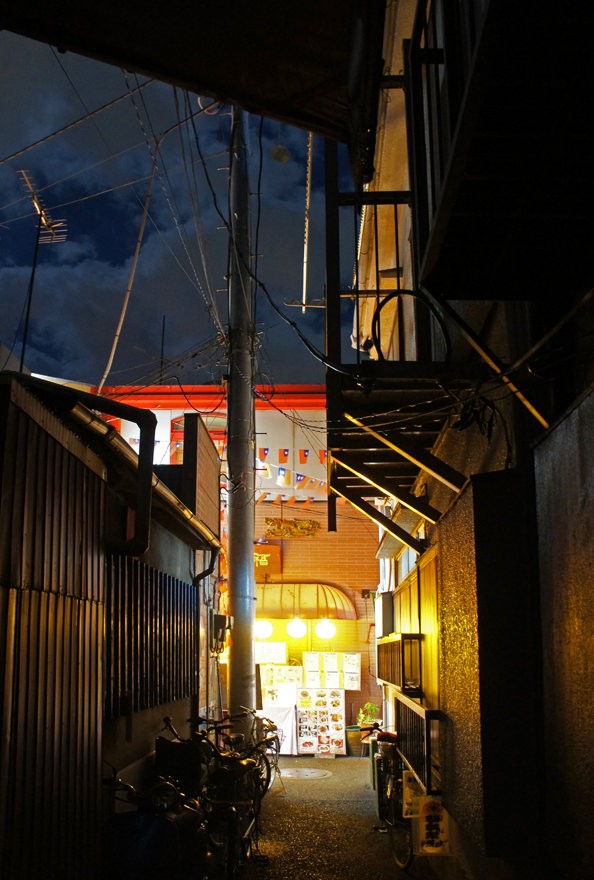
[384, 735]
[118, 785]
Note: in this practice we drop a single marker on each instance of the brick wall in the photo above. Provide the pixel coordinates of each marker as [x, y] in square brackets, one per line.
[345, 558]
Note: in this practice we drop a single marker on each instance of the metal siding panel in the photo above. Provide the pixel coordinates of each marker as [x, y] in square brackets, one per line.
[109, 653]
[77, 524]
[7, 484]
[47, 528]
[11, 600]
[51, 656]
[30, 479]
[18, 503]
[55, 520]
[38, 492]
[62, 499]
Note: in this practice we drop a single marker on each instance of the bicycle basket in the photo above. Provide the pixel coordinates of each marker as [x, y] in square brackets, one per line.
[181, 761]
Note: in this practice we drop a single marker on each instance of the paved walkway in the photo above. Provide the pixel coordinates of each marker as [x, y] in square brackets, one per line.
[322, 827]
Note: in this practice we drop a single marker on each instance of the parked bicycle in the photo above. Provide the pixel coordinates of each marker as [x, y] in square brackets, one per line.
[165, 831]
[227, 785]
[264, 739]
[390, 795]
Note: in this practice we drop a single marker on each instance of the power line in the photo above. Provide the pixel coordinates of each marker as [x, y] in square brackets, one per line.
[72, 125]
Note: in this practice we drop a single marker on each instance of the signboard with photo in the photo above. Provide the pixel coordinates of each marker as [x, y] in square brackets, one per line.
[320, 721]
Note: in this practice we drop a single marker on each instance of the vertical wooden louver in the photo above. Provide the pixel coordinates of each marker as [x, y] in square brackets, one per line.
[151, 638]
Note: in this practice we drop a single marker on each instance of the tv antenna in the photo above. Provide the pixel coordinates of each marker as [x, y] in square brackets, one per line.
[48, 232]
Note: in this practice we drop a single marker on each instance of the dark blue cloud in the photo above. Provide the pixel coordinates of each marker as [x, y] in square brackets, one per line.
[96, 176]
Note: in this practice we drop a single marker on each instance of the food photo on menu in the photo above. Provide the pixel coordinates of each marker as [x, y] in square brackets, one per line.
[320, 721]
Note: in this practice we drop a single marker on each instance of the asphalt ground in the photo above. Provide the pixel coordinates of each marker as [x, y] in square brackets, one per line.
[324, 827]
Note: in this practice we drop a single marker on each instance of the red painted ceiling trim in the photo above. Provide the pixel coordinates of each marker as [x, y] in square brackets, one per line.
[213, 398]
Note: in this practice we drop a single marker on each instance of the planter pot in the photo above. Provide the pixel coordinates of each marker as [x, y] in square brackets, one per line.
[353, 741]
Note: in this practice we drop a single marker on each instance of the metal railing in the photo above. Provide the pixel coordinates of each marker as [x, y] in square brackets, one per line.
[418, 730]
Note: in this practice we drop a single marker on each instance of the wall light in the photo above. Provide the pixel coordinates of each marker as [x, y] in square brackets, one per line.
[325, 629]
[296, 628]
[262, 629]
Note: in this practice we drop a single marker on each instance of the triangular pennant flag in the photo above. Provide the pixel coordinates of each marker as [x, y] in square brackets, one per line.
[283, 456]
[290, 500]
[303, 453]
[307, 503]
[278, 499]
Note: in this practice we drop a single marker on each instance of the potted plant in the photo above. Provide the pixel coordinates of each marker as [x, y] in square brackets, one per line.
[368, 714]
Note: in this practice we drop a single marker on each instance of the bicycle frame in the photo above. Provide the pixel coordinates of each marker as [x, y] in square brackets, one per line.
[227, 785]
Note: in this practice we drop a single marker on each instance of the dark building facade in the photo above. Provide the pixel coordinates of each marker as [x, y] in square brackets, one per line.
[460, 420]
[104, 585]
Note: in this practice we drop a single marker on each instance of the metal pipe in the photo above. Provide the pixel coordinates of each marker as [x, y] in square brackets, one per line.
[80, 405]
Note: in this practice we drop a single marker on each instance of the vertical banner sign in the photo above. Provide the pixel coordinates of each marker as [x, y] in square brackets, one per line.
[434, 831]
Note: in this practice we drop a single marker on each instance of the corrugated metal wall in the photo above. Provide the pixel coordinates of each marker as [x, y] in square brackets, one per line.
[51, 642]
[82, 638]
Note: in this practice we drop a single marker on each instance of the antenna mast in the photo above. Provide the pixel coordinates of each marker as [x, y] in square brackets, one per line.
[48, 232]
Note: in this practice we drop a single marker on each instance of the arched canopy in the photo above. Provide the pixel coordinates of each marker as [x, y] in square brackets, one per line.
[310, 601]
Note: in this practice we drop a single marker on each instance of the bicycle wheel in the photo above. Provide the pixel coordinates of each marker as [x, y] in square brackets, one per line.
[232, 845]
[264, 773]
[273, 762]
[399, 829]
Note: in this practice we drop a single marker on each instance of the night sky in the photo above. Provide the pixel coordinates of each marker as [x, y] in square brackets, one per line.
[95, 177]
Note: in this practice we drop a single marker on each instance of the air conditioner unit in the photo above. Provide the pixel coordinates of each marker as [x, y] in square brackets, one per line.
[384, 614]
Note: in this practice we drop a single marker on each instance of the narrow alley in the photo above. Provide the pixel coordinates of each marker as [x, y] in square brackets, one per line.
[319, 823]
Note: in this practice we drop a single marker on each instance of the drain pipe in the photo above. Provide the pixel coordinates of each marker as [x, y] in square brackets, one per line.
[147, 423]
[197, 580]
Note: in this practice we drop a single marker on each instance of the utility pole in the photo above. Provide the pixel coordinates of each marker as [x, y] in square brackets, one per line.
[241, 678]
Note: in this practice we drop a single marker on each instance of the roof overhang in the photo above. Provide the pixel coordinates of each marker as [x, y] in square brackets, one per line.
[314, 65]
